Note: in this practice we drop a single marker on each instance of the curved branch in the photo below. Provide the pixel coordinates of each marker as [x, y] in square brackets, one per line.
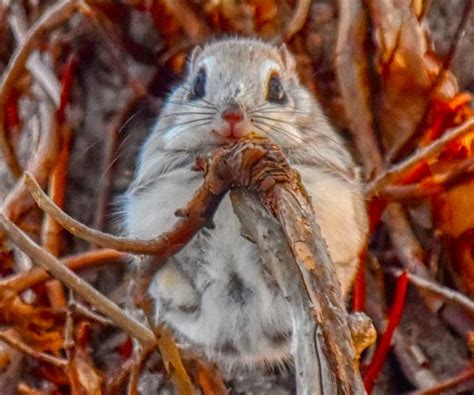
[297, 20]
[51, 18]
[198, 210]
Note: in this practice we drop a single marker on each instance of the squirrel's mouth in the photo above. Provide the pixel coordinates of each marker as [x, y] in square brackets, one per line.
[231, 133]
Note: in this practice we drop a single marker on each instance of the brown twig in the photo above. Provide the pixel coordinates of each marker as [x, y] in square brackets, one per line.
[208, 377]
[131, 326]
[397, 171]
[449, 384]
[18, 202]
[203, 204]
[42, 73]
[436, 183]
[196, 30]
[50, 19]
[51, 231]
[23, 281]
[80, 310]
[352, 74]
[313, 374]
[297, 20]
[12, 338]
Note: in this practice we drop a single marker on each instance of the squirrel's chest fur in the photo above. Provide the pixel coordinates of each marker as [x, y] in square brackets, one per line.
[216, 293]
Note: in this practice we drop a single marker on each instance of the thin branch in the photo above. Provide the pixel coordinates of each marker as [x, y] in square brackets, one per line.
[18, 202]
[53, 17]
[436, 183]
[130, 325]
[298, 19]
[81, 310]
[352, 72]
[23, 281]
[42, 73]
[448, 293]
[449, 384]
[397, 171]
[12, 338]
[192, 24]
[203, 204]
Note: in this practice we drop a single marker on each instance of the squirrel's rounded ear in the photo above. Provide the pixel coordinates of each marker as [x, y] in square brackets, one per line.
[194, 55]
[288, 59]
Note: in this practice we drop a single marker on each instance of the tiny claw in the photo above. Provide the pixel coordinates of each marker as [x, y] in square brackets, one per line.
[181, 213]
[247, 236]
[201, 164]
[210, 224]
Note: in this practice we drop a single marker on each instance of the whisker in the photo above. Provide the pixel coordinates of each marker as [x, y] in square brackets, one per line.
[309, 148]
[281, 131]
[271, 111]
[275, 120]
[166, 115]
[183, 103]
[265, 132]
[182, 123]
[186, 130]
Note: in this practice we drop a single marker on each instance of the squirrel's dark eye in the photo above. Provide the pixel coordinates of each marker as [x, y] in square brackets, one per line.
[275, 91]
[198, 88]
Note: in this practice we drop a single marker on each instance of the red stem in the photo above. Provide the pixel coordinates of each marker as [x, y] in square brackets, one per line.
[358, 294]
[384, 345]
[66, 86]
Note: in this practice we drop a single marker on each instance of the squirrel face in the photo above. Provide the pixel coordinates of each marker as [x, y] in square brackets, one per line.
[233, 88]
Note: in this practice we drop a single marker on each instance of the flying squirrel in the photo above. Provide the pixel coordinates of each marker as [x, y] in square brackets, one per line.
[215, 294]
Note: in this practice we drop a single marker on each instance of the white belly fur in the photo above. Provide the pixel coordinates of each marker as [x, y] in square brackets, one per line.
[215, 293]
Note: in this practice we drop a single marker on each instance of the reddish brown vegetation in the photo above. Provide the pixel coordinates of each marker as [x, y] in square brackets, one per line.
[411, 125]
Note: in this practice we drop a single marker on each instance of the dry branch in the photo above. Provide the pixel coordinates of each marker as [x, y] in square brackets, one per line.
[50, 19]
[397, 171]
[18, 202]
[312, 371]
[12, 338]
[447, 293]
[298, 19]
[95, 258]
[188, 19]
[204, 203]
[134, 328]
[449, 384]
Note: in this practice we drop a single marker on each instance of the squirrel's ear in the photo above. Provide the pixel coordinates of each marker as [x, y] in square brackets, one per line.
[288, 59]
[194, 55]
